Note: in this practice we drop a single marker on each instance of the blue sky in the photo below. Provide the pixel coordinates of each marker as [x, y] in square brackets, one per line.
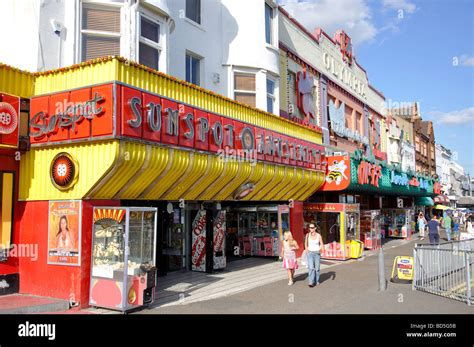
[412, 51]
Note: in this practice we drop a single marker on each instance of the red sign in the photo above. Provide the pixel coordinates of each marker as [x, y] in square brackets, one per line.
[437, 188]
[9, 120]
[338, 173]
[81, 114]
[368, 173]
[113, 111]
[414, 182]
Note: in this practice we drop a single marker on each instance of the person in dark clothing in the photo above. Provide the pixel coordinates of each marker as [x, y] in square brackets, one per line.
[433, 227]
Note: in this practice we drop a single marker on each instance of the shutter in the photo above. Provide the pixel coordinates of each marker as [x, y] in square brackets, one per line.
[95, 47]
[244, 82]
[101, 19]
[247, 99]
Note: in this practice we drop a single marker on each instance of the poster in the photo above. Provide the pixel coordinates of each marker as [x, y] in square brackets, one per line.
[198, 252]
[219, 241]
[64, 234]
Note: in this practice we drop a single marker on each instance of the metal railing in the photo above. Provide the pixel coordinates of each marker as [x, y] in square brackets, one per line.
[445, 269]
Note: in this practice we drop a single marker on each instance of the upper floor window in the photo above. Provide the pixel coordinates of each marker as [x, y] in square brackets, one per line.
[149, 49]
[193, 69]
[269, 13]
[100, 31]
[193, 10]
[270, 95]
[244, 88]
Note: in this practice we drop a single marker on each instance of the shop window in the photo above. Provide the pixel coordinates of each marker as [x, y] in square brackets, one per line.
[6, 208]
[245, 88]
[149, 43]
[270, 95]
[269, 14]
[100, 31]
[193, 69]
[193, 10]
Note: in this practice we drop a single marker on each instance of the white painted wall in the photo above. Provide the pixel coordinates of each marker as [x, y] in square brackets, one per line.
[19, 33]
[231, 36]
[39, 48]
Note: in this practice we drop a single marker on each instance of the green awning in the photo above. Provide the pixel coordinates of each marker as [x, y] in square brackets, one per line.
[424, 201]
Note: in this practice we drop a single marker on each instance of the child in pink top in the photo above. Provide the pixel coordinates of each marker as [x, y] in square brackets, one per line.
[288, 250]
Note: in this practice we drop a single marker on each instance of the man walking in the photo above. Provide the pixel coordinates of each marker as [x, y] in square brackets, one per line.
[433, 228]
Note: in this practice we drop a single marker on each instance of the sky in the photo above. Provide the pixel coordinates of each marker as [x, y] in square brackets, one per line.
[412, 50]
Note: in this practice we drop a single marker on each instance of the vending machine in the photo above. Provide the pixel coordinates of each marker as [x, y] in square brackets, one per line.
[123, 269]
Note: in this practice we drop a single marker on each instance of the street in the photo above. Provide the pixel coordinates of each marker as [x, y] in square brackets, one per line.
[348, 288]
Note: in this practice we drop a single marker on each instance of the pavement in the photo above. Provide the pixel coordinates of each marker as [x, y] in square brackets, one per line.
[346, 288]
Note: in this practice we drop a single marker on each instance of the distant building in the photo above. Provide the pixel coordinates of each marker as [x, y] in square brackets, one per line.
[424, 138]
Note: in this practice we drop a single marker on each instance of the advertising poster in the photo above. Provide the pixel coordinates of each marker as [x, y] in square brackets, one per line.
[219, 241]
[64, 237]
[198, 252]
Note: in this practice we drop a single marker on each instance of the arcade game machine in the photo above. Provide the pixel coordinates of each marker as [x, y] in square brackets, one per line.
[123, 271]
[397, 222]
[370, 229]
[339, 227]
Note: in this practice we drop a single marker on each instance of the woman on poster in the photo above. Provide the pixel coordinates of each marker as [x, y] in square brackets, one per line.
[63, 237]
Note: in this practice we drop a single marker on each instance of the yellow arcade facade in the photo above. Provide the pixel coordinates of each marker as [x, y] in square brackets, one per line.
[110, 133]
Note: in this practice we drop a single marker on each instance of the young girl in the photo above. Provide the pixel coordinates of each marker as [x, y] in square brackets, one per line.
[289, 246]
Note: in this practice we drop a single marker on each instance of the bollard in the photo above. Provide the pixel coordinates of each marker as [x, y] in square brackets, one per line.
[382, 280]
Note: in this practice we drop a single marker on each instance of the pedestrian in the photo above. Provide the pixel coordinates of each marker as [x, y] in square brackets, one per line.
[421, 225]
[288, 250]
[433, 228]
[456, 227]
[447, 226]
[313, 245]
[469, 226]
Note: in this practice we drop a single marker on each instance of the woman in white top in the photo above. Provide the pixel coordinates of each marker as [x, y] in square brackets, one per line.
[313, 245]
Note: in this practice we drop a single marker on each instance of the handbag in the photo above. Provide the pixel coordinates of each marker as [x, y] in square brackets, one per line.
[304, 258]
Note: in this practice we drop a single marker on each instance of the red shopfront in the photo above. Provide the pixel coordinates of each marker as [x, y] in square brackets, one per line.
[130, 147]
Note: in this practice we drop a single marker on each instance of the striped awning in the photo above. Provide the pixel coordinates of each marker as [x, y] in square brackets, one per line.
[441, 199]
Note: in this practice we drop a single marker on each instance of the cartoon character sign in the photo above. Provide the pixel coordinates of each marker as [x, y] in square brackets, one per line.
[338, 173]
[304, 94]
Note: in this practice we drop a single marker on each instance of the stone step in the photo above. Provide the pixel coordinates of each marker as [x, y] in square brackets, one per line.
[25, 304]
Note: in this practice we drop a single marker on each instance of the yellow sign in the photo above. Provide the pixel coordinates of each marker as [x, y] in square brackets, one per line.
[402, 271]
